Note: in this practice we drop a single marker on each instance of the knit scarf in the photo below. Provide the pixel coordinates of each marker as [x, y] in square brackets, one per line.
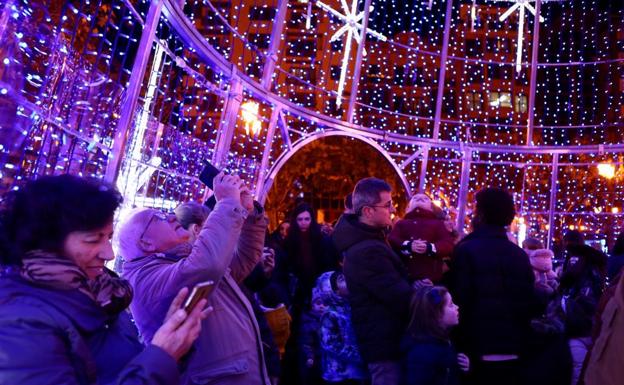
[110, 292]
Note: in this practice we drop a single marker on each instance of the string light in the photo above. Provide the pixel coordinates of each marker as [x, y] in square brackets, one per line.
[67, 110]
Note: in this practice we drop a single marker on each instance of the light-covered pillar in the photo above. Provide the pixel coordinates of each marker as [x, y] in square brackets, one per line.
[228, 122]
[276, 38]
[462, 197]
[133, 91]
[553, 200]
[533, 76]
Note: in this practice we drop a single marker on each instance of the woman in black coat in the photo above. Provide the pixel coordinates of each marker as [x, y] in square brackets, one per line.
[309, 252]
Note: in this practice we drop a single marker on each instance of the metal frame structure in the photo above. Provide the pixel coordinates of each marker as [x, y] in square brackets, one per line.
[240, 82]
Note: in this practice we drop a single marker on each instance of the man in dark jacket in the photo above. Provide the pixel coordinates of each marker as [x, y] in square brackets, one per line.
[379, 292]
[492, 283]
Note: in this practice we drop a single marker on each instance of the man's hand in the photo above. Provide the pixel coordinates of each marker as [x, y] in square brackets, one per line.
[268, 260]
[246, 198]
[463, 362]
[422, 283]
[227, 186]
[419, 246]
[177, 334]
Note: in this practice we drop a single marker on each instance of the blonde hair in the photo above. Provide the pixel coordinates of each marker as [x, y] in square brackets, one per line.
[191, 212]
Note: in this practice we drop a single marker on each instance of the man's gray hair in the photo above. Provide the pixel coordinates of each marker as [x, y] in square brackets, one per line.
[366, 193]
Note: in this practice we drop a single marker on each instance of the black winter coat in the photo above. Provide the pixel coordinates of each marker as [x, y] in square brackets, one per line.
[493, 284]
[379, 292]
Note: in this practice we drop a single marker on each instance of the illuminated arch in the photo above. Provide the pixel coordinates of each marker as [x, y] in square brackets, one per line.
[284, 157]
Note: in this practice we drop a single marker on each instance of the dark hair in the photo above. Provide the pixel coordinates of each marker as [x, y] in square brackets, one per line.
[426, 309]
[618, 247]
[293, 241]
[574, 237]
[40, 215]
[348, 201]
[532, 244]
[333, 280]
[366, 193]
[495, 206]
[191, 212]
[294, 231]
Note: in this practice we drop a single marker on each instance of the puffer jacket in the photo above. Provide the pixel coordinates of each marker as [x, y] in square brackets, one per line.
[50, 336]
[379, 292]
[340, 355]
[229, 348]
[422, 224]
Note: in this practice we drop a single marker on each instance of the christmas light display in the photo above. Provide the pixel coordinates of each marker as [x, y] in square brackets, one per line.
[353, 28]
[460, 95]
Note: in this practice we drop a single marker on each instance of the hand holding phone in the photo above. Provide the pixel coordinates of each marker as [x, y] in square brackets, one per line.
[180, 329]
[208, 174]
[200, 291]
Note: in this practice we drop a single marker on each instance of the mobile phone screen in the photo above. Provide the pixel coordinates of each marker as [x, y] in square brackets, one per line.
[200, 291]
[208, 174]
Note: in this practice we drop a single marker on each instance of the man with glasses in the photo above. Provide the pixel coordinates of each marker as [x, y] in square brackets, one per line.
[379, 292]
[160, 260]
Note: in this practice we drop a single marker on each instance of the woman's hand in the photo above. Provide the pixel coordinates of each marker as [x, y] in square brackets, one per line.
[179, 331]
[419, 246]
[463, 362]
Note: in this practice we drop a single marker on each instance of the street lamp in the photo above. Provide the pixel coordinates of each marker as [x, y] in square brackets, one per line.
[249, 113]
[606, 170]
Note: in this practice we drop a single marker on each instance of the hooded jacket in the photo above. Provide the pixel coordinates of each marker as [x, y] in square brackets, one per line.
[379, 293]
[54, 336]
[229, 347]
[340, 355]
[422, 224]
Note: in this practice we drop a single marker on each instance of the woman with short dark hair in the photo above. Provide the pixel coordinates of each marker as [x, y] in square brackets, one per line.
[63, 317]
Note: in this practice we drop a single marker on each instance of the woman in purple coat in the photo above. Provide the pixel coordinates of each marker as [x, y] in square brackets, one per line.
[63, 317]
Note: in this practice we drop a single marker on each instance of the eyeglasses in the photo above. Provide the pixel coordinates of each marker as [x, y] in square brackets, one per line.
[389, 205]
[155, 214]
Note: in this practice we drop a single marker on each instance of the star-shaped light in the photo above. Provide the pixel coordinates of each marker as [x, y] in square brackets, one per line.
[521, 6]
[353, 28]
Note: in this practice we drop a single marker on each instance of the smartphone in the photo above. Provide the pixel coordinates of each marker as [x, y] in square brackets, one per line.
[208, 174]
[200, 291]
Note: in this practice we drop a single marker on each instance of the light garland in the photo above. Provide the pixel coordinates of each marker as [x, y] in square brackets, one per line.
[74, 101]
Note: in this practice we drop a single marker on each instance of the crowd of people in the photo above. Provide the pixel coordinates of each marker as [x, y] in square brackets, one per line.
[371, 299]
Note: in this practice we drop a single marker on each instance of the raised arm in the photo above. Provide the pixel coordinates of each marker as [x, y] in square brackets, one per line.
[214, 248]
[249, 247]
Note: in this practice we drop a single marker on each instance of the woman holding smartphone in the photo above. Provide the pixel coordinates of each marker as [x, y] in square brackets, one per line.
[63, 317]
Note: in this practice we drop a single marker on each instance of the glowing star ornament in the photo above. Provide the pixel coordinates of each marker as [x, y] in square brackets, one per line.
[353, 28]
[521, 6]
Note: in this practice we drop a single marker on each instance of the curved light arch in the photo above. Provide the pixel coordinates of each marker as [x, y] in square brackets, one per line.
[211, 56]
[301, 143]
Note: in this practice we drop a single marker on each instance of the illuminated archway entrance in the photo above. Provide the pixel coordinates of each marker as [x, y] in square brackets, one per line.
[323, 170]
